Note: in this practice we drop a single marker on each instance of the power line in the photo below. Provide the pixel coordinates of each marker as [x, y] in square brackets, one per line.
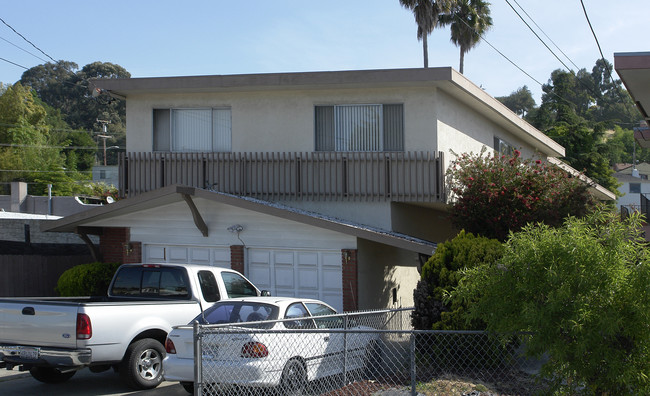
[22, 49]
[536, 35]
[43, 171]
[24, 38]
[56, 147]
[542, 30]
[13, 63]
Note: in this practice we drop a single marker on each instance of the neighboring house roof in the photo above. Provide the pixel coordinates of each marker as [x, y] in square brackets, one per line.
[178, 193]
[444, 78]
[634, 70]
[600, 192]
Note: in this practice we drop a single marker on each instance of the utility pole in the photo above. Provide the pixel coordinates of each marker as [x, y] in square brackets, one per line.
[104, 136]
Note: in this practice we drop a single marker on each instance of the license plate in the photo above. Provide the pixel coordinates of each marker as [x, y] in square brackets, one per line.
[29, 353]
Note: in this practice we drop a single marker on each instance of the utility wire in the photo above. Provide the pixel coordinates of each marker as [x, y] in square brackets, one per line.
[22, 49]
[56, 147]
[536, 35]
[542, 30]
[24, 38]
[13, 63]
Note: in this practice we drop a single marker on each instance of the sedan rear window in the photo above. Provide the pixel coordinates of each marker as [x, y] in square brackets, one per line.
[239, 312]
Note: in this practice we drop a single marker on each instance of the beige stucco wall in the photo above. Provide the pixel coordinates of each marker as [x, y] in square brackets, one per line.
[462, 130]
[283, 120]
[381, 269]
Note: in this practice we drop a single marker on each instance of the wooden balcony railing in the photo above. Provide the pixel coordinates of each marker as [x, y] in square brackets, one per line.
[394, 176]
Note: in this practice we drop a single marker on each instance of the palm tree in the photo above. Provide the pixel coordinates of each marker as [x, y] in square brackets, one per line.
[469, 20]
[426, 14]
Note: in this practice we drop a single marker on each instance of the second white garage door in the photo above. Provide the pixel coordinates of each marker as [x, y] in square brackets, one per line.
[298, 273]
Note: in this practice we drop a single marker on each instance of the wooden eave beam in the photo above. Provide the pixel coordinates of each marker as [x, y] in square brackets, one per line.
[198, 220]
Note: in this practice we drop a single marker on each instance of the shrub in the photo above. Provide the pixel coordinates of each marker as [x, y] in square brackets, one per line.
[494, 195]
[440, 275]
[90, 279]
[582, 291]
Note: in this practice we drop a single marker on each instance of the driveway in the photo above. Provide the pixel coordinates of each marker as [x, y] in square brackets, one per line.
[84, 383]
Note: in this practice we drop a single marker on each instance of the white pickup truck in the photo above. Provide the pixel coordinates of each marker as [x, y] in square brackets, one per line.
[125, 330]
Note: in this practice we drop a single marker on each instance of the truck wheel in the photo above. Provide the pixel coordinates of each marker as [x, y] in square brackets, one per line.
[141, 367]
[188, 386]
[50, 375]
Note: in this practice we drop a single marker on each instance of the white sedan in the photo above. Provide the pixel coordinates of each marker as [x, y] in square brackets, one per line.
[294, 345]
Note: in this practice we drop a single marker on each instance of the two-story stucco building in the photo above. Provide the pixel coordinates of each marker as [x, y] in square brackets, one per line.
[323, 184]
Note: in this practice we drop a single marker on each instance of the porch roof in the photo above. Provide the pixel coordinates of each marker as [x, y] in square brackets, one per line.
[179, 193]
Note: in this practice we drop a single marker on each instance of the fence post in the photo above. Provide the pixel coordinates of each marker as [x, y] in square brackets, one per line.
[413, 369]
[345, 350]
[198, 363]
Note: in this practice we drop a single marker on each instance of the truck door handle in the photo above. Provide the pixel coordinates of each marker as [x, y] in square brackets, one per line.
[29, 311]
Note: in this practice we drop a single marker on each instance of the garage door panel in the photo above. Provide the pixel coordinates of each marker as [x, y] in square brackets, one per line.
[155, 254]
[332, 279]
[284, 276]
[300, 273]
[200, 255]
[307, 259]
[308, 278]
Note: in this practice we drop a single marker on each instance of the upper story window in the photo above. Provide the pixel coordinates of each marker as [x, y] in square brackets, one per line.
[187, 130]
[635, 188]
[362, 127]
[502, 147]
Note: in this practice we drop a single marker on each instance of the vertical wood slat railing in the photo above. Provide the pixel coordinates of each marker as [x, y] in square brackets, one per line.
[359, 176]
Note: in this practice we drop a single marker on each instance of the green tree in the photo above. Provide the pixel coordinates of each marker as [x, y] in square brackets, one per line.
[426, 14]
[582, 291]
[65, 88]
[469, 20]
[520, 101]
[27, 152]
[494, 195]
[440, 275]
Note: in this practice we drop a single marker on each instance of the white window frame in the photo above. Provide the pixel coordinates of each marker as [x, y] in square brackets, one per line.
[211, 142]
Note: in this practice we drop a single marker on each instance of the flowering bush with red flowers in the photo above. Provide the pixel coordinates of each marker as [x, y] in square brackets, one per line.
[495, 194]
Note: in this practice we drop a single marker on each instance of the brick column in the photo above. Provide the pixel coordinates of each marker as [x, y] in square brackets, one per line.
[237, 258]
[116, 247]
[350, 279]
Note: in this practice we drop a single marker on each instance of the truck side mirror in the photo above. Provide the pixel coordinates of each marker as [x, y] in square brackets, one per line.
[266, 293]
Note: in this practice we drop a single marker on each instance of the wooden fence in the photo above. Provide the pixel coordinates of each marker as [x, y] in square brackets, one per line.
[34, 275]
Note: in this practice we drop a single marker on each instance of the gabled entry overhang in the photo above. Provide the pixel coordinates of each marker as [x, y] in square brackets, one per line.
[172, 194]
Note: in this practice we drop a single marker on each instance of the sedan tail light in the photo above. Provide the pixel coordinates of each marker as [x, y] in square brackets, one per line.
[170, 347]
[84, 327]
[254, 350]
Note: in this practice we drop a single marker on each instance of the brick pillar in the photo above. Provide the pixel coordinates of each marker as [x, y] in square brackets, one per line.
[237, 258]
[116, 247]
[350, 280]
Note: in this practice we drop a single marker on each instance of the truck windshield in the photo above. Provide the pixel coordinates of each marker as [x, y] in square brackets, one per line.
[162, 282]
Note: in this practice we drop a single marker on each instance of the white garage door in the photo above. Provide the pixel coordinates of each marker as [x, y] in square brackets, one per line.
[298, 273]
[204, 255]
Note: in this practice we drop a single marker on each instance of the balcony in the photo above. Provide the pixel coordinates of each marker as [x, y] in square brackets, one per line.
[352, 176]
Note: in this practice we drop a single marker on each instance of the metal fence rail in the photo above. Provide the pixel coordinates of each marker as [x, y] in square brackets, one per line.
[369, 353]
[395, 176]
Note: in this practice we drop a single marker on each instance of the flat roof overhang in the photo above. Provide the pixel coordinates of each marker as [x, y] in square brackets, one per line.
[444, 78]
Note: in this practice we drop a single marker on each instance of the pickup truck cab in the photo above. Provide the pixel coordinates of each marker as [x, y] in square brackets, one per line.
[125, 330]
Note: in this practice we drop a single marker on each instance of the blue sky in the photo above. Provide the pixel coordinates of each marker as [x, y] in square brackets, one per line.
[172, 38]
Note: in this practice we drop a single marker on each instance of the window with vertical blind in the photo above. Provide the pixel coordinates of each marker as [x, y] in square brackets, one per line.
[190, 130]
[359, 127]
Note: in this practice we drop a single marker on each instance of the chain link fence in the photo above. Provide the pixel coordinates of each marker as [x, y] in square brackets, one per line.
[364, 353]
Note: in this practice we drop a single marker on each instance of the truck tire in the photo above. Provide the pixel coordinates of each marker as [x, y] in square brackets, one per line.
[50, 375]
[141, 367]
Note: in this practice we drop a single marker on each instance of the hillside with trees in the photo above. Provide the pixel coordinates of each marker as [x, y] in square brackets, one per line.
[49, 127]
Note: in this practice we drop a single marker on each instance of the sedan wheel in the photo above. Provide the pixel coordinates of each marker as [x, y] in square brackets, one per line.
[294, 378]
